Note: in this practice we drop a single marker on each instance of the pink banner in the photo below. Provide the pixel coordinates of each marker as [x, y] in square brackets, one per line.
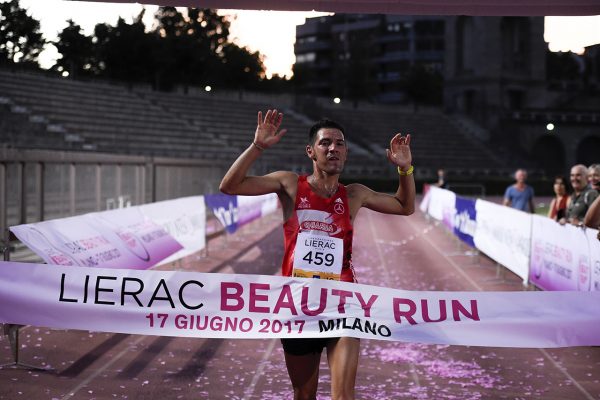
[560, 256]
[111, 239]
[169, 303]
[594, 246]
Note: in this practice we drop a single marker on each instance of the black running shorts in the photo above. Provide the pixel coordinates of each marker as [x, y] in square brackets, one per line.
[302, 347]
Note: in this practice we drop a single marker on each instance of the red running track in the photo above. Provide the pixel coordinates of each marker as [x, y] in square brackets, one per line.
[402, 252]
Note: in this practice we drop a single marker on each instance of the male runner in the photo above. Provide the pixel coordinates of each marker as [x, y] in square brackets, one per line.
[319, 207]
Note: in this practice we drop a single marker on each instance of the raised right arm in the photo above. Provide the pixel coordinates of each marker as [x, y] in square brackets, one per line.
[237, 181]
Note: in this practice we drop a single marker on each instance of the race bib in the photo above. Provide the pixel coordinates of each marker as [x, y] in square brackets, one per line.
[318, 256]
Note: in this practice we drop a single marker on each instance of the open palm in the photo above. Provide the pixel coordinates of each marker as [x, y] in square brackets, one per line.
[399, 151]
[267, 129]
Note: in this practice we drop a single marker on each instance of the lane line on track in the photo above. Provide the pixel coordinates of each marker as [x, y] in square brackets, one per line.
[259, 372]
[567, 374]
[388, 278]
[543, 351]
[451, 261]
[93, 376]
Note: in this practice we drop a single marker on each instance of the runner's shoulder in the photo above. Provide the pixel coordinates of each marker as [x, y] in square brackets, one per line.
[357, 191]
[287, 179]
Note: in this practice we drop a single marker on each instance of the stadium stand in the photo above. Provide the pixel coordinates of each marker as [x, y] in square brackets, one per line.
[50, 112]
[234, 121]
[437, 141]
[103, 117]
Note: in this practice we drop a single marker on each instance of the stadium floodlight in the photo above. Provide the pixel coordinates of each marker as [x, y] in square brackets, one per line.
[337, 100]
[550, 127]
[207, 88]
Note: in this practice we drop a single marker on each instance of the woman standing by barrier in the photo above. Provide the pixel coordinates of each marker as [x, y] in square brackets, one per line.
[559, 203]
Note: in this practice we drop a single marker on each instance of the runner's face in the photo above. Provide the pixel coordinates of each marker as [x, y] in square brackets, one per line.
[329, 150]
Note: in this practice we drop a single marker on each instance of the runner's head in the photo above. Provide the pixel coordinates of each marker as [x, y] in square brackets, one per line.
[327, 146]
[323, 123]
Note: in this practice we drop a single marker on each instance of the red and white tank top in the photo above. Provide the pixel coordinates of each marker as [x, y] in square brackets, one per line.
[318, 236]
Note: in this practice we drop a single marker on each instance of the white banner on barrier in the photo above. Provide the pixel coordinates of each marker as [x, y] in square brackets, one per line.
[184, 219]
[560, 256]
[424, 206]
[110, 238]
[594, 246]
[442, 205]
[269, 204]
[254, 306]
[253, 207]
[504, 234]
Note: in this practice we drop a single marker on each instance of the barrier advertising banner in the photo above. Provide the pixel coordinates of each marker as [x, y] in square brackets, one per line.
[465, 220]
[225, 208]
[184, 219]
[169, 303]
[560, 258]
[270, 203]
[442, 205]
[110, 238]
[504, 234]
[236, 211]
[424, 206]
[594, 246]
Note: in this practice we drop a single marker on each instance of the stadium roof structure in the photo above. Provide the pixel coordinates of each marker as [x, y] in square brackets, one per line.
[407, 7]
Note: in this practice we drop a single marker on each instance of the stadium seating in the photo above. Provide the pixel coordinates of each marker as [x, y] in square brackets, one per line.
[46, 111]
[436, 141]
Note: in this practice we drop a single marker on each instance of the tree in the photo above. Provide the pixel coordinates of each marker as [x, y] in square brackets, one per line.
[77, 50]
[20, 38]
[240, 67]
[190, 49]
[195, 44]
[125, 51]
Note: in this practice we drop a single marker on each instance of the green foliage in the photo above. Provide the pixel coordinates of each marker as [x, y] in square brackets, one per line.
[179, 50]
[20, 37]
[77, 51]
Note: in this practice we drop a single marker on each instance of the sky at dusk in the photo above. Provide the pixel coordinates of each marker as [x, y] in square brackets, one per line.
[270, 32]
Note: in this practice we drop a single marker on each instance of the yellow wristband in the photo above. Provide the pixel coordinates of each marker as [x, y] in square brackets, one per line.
[409, 171]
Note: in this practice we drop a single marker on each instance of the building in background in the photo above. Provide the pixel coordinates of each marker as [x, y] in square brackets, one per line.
[366, 56]
[494, 76]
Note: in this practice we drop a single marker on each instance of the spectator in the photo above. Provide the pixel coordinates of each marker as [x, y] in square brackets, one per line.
[441, 182]
[582, 198]
[594, 176]
[592, 216]
[519, 195]
[559, 203]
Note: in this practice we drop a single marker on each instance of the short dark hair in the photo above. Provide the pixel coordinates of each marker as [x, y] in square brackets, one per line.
[322, 123]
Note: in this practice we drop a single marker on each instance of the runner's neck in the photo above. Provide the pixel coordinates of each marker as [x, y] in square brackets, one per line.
[326, 186]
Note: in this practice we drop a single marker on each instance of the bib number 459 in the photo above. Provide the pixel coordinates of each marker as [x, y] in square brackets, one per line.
[319, 258]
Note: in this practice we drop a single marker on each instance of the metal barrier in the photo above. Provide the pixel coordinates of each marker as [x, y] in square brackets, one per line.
[37, 184]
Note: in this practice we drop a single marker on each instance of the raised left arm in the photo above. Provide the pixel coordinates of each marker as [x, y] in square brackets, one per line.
[403, 201]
